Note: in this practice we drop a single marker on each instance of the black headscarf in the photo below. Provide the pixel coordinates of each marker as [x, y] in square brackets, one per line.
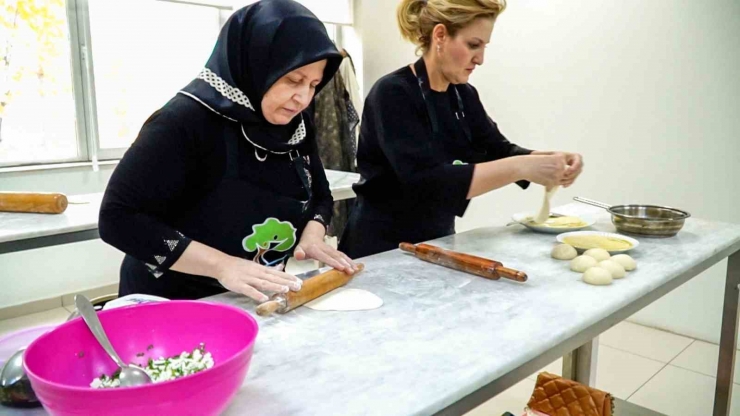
[257, 46]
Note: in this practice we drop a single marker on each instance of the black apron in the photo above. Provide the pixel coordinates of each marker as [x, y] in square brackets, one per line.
[237, 218]
[375, 227]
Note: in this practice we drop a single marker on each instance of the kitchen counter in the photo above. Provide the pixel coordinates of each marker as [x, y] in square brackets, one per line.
[24, 231]
[445, 341]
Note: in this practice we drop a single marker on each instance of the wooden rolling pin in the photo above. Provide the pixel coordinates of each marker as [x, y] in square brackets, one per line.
[312, 288]
[490, 269]
[44, 203]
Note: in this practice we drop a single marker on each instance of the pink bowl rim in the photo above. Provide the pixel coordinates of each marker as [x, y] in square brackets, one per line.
[223, 363]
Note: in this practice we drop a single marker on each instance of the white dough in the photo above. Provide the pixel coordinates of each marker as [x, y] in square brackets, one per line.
[597, 276]
[544, 213]
[582, 263]
[345, 299]
[616, 269]
[564, 252]
[598, 253]
[626, 261]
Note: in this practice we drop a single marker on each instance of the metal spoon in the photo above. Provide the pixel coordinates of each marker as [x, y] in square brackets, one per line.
[552, 215]
[15, 387]
[130, 375]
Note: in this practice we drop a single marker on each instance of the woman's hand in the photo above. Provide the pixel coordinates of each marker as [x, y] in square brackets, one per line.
[574, 169]
[554, 168]
[234, 273]
[318, 250]
[312, 246]
[545, 169]
[251, 279]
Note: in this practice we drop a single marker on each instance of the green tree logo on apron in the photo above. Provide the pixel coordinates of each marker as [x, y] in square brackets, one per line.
[270, 236]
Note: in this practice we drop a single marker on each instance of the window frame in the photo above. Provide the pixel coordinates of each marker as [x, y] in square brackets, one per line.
[83, 85]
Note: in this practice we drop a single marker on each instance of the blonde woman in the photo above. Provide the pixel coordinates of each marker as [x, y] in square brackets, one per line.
[427, 145]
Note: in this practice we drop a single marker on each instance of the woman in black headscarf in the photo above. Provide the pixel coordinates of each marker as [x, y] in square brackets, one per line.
[224, 182]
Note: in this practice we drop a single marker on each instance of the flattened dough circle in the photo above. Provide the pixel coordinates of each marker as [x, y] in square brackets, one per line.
[346, 299]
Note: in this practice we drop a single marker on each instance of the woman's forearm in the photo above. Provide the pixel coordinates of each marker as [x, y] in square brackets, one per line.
[202, 260]
[496, 174]
[314, 231]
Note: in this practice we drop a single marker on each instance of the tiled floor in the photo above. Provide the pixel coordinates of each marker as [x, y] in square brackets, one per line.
[668, 373]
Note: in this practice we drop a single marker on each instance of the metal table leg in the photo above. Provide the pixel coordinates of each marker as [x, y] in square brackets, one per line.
[728, 338]
[580, 365]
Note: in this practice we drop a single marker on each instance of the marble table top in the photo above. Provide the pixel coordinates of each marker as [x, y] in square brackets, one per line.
[443, 334]
[82, 212]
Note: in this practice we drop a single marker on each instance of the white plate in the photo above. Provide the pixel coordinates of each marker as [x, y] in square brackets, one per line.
[631, 240]
[522, 218]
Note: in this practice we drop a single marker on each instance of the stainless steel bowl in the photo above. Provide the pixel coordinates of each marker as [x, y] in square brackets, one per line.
[643, 220]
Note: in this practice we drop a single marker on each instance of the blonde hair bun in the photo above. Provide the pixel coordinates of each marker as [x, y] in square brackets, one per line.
[417, 18]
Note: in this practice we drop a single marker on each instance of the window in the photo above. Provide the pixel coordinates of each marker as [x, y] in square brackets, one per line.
[78, 78]
[144, 51]
[37, 107]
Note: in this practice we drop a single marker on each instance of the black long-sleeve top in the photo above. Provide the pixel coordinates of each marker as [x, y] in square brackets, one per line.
[179, 157]
[400, 161]
[413, 182]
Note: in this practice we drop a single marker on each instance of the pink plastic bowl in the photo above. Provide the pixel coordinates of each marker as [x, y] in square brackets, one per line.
[62, 363]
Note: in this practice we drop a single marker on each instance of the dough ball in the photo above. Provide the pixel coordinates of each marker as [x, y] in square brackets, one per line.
[616, 269]
[626, 261]
[564, 252]
[582, 263]
[598, 253]
[597, 276]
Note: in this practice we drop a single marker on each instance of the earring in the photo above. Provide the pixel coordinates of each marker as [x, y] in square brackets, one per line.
[439, 49]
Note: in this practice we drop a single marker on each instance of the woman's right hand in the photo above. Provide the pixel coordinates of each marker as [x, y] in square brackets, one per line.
[251, 279]
[548, 170]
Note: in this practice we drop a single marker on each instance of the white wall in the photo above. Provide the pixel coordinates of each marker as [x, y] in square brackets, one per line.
[647, 91]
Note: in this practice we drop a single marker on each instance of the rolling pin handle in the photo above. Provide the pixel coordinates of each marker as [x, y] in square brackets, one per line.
[268, 308]
[511, 274]
[407, 247]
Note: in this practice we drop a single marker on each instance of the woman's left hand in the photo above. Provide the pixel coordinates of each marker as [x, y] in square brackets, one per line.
[574, 168]
[317, 249]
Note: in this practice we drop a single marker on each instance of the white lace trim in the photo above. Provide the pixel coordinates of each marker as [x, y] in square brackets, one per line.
[204, 105]
[298, 136]
[232, 93]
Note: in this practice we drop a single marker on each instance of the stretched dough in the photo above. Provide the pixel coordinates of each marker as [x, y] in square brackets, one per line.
[544, 213]
[346, 299]
[626, 261]
[597, 276]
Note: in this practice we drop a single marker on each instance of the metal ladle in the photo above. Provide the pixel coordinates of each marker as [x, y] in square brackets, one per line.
[130, 375]
[15, 387]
